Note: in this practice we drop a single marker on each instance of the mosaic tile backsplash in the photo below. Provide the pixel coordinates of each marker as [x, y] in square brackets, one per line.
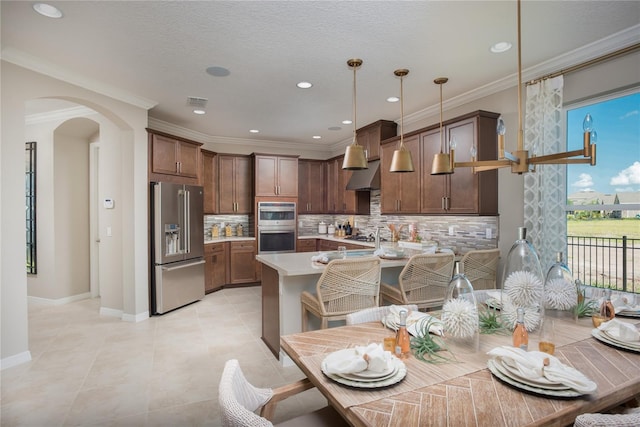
[468, 232]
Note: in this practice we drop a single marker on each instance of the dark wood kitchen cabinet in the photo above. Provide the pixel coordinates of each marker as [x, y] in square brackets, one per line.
[311, 187]
[339, 199]
[215, 271]
[306, 245]
[400, 192]
[209, 181]
[370, 136]
[173, 159]
[235, 178]
[243, 266]
[462, 192]
[276, 176]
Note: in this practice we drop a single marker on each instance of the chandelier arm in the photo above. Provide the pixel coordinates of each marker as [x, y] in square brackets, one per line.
[557, 157]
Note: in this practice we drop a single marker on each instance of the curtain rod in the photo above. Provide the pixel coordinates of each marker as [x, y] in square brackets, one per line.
[585, 64]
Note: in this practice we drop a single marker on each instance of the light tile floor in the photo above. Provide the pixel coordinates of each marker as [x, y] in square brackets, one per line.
[92, 370]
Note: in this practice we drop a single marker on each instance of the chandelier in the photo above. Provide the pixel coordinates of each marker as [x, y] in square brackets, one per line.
[520, 161]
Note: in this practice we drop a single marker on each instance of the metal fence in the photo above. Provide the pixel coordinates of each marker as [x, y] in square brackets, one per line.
[605, 262]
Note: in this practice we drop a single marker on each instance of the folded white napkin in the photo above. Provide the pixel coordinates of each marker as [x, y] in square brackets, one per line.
[371, 358]
[531, 365]
[321, 257]
[415, 321]
[621, 330]
[621, 303]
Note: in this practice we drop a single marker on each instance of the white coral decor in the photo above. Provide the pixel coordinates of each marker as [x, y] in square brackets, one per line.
[460, 318]
[560, 294]
[524, 288]
[510, 316]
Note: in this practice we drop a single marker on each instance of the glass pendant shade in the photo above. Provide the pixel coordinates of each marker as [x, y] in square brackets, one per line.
[354, 158]
[561, 294]
[460, 315]
[523, 284]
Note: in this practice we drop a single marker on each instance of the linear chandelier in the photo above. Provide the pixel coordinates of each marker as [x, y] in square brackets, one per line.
[519, 161]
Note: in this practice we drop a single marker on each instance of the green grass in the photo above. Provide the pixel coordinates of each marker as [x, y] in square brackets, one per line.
[604, 227]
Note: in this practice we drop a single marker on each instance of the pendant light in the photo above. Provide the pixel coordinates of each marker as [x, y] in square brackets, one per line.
[354, 158]
[401, 160]
[441, 162]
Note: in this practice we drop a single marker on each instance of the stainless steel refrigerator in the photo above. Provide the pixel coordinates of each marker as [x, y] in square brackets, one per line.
[177, 242]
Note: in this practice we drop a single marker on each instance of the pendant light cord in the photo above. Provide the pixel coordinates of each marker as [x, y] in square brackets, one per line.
[520, 129]
[401, 115]
[441, 133]
[354, 104]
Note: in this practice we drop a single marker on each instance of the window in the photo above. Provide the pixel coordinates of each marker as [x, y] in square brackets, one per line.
[603, 201]
[30, 205]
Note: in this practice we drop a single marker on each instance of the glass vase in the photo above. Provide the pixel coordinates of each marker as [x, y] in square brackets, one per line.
[560, 291]
[460, 315]
[523, 284]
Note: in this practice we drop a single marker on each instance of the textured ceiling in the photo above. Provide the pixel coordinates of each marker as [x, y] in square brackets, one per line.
[155, 53]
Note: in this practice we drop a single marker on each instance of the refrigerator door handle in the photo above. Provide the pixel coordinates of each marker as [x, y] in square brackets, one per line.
[187, 220]
[178, 267]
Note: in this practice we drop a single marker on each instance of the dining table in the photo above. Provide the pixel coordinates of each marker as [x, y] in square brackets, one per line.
[464, 391]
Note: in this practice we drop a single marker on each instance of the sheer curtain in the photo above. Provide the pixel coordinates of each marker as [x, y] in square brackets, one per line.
[545, 189]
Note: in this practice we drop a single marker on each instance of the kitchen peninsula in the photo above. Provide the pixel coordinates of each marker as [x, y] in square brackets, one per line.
[284, 277]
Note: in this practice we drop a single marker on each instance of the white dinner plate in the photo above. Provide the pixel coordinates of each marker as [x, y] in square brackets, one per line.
[400, 371]
[367, 379]
[629, 313]
[597, 334]
[538, 382]
[538, 390]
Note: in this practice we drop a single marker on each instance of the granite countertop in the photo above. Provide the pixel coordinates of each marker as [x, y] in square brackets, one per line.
[209, 239]
[339, 239]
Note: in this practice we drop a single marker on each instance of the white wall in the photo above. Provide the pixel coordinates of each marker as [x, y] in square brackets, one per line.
[125, 254]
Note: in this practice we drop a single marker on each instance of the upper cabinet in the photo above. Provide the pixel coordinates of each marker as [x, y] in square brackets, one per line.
[235, 177]
[463, 192]
[339, 199]
[312, 185]
[209, 181]
[172, 158]
[276, 176]
[400, 192]
[370, 136]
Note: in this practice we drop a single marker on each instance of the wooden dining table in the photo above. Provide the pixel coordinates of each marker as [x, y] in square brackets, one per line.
[464, 391]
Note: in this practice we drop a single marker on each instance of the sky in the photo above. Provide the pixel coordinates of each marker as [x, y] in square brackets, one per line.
[617, 124]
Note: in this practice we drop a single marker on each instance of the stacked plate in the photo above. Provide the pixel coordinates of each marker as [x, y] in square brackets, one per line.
[538, 385]
[392, 374]
[629, 313]
[612, 338]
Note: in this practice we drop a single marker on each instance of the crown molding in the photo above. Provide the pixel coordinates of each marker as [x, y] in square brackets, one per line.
[59, 115]
[38, 65]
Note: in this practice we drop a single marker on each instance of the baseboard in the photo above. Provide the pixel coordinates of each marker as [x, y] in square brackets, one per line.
[15, 360]
[135, 318]
[59, 301]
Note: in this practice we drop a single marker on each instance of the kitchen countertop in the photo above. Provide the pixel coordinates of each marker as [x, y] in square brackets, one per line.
[208, 240]
[339, 239]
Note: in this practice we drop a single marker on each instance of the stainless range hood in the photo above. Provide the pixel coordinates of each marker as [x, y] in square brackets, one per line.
[366, 179]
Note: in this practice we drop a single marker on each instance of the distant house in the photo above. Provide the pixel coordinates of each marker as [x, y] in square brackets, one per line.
[625, 204]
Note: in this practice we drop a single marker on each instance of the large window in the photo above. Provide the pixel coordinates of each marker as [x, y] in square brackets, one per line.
[30, 205]
[603, 201]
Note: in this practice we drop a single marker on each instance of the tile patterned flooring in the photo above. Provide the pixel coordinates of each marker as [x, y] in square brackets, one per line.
[92, 370]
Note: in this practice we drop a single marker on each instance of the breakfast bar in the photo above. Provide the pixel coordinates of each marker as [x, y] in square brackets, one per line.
[284, 277]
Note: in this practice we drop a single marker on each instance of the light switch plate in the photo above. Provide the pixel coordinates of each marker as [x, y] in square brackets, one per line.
[488, 233]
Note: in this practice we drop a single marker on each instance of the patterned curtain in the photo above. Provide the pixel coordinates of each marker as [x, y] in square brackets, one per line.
[545, 189]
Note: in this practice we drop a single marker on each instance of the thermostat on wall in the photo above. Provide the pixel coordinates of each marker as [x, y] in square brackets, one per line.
[108, 203]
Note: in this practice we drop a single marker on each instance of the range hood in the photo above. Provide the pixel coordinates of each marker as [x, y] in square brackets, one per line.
[366, 179]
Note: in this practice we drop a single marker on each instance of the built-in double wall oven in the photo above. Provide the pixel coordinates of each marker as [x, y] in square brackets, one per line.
[276, 227]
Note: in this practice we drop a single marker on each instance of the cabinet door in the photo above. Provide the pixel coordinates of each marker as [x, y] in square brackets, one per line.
[287, 177]
[266, 172]
[242, 262]
[226, 178]
[243, 183]
[164, 155]
[215, 266]
[410, 188]
[188, 159]
[311, 186]
[332, 185]
[306, 245]
[209, 181]
[347, 199]
[463, 188]
[389, 182]
[433, 186]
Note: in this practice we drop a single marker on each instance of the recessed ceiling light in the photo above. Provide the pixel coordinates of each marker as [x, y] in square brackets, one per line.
[218, 71]
[347, 122]
[304, 85]
[254, 131]
[200, 112]
[335, 128]
[393, 99]
[500, 47]
[317, 137]
[47, 10]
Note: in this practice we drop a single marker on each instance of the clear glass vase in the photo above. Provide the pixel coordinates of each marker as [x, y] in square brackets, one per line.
[560, 291]
[460, 315]
[523, 284]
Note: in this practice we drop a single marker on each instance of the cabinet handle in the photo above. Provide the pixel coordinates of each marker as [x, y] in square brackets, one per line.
[399, 205]
[442, 204]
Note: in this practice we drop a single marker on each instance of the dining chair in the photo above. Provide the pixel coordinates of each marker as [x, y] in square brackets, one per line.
[423, 281]
[238, 399]
[374, 313]
[631, 419]
[480, 266]
[345, 286]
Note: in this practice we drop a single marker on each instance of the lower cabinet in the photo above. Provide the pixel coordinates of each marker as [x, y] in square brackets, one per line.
[332, 245]
[230, 263]
[215, 271]
[306, 245]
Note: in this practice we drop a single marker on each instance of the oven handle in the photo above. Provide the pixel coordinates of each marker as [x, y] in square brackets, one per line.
[287, 230]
